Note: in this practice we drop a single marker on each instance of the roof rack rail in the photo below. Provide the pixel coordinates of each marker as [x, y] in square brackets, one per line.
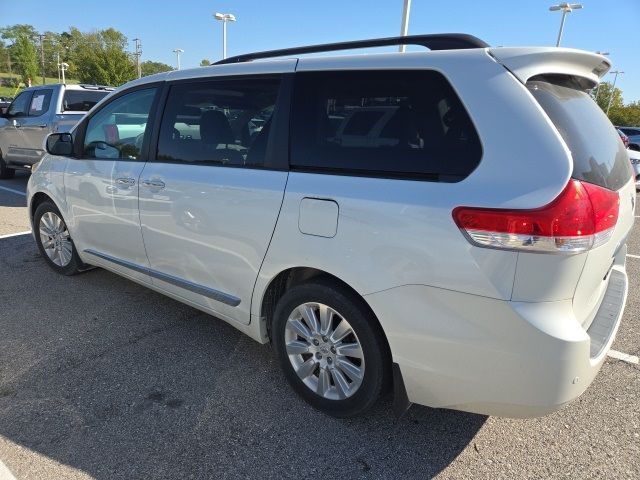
[439, 41]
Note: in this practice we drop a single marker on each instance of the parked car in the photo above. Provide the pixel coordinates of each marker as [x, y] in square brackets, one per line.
[467, 251]
[4, 104]
[633, 134]
[624, 138]
[634, 157]
[36, 112]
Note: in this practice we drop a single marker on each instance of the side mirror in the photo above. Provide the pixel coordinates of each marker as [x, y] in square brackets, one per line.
[60, 144]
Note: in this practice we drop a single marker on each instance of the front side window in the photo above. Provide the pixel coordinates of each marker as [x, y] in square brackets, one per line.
[40, 102]
[221, 122]
[117, 131]
[397, 123]
[20, 106]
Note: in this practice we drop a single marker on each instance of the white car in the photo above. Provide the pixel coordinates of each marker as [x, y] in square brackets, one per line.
[473, 257]
[634, 157]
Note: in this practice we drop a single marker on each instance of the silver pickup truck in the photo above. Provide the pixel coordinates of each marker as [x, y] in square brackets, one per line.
[35, 113]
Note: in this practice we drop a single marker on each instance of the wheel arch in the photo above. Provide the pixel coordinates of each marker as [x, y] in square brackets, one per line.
[37, 199]
[293, 276]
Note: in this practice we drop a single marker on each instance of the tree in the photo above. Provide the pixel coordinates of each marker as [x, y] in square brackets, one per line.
[25, 58]
[149, 68]
[604, 92]
[22, 53]
[100, 57]
[205, 63]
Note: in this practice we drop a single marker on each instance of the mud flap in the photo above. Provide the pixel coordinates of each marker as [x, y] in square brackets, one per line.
[401, 401]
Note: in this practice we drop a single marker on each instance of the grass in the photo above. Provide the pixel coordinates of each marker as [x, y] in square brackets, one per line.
[12, 91]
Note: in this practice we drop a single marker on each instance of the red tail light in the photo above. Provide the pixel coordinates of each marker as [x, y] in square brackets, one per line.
[582, 217]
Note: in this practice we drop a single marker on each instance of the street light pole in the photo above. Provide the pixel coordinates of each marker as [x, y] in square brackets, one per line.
[565, 8]
[63, 68]
[404, 26]
[178, 51]
[613, 88]
[599, 83]
[224, 18]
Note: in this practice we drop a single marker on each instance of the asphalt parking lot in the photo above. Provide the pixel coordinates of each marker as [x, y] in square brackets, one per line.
[102, 378]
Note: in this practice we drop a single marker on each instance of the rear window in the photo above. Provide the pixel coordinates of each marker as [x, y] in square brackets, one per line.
[599, 156]
[81, 100]
[404, 124]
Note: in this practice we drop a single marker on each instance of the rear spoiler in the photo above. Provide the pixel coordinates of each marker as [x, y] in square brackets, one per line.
[528, 62]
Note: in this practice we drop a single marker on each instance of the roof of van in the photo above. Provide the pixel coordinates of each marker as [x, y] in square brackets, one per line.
[524, 62]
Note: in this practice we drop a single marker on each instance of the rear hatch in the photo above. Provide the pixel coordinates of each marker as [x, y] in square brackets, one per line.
[559, 79]
[599, 158]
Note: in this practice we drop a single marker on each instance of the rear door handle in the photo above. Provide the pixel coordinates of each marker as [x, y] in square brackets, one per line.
[153, 183]
[43, 125]
[125, 181]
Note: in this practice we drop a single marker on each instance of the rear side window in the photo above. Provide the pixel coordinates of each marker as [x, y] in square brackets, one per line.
[40, 102]
[81, 100]
[407, 124]
[599, 156]
[220, 122]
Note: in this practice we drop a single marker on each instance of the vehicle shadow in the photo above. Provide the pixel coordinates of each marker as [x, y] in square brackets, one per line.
[17, 184]
[110, 378]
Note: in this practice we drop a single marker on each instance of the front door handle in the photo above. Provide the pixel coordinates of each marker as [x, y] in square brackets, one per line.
[153, 183]
[125, 181]
[43, 125]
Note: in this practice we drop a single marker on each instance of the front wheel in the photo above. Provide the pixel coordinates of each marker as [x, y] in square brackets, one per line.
[5, 172]
[54, 241]
[330, 349]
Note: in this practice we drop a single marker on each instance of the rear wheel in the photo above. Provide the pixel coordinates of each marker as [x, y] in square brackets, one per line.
[54, 241]
[5, 172]
[330, 349]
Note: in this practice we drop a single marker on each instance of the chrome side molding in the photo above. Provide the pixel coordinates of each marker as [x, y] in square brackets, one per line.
[178, 282]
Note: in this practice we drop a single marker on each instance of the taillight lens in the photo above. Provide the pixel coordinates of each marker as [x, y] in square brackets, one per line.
[582, 217]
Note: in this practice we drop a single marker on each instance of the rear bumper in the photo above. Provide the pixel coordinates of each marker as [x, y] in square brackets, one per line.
[483, 355]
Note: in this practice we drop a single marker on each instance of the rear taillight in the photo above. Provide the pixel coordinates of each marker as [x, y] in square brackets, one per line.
[582, 217]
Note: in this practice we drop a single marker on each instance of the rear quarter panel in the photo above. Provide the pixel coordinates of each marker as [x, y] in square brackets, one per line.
[400, 232]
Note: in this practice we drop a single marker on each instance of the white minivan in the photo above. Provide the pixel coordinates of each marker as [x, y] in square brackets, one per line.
[448, 224]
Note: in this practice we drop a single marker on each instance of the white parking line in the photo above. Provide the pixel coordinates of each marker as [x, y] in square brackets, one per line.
[625, 357]
[18, 192]
[5, 473]
[633, 256]
[9, 235]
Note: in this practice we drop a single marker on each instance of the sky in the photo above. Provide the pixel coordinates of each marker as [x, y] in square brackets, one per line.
[164, 25]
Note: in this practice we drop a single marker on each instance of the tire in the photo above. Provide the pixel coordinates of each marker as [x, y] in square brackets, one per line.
[60, 252]
[5, 172]
[337, 391]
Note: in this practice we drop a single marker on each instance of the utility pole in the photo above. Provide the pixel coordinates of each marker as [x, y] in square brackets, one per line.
[41, 36]
[137, 54]
[178, 51]
[404, 27]
[58, 56]
[613, 88]
[565, 8]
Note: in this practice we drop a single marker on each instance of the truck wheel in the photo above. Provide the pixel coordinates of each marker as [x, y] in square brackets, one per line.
[5, 172]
